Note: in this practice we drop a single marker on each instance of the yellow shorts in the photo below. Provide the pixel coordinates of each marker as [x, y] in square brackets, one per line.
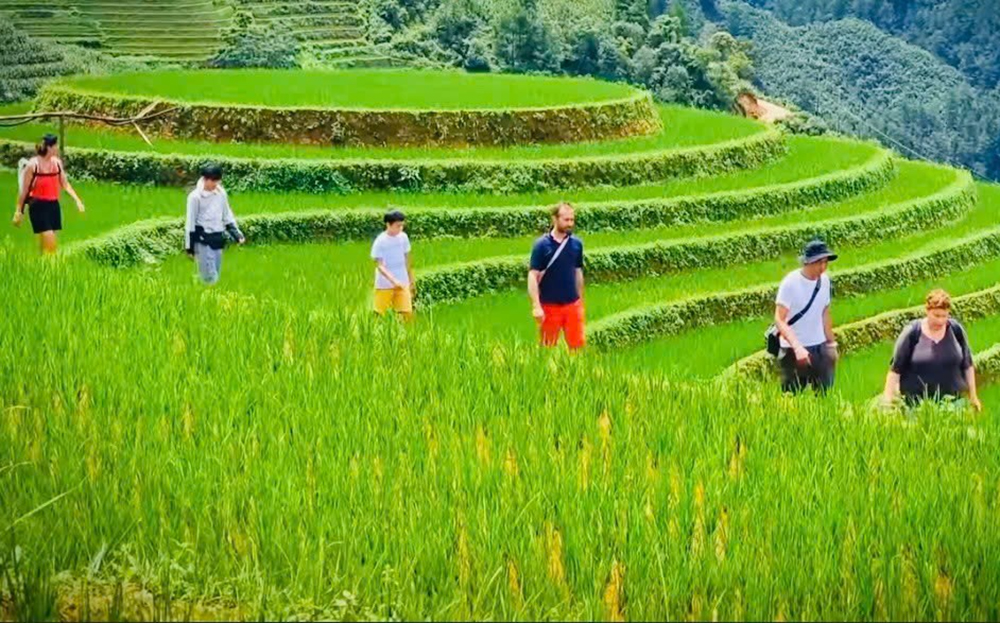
[399, 300]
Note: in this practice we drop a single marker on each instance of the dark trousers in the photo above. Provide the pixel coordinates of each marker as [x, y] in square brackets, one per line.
[818, 373]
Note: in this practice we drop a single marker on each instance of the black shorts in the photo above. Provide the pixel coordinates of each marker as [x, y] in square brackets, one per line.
[45, 215]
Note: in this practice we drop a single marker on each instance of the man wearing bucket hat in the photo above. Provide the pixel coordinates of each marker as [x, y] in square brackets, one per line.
[808, 355]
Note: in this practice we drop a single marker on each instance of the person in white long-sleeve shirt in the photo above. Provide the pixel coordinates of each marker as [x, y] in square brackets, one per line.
[209, 220]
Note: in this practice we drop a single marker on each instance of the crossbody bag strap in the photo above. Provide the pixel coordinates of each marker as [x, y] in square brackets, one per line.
[798, 316]
[555, 256]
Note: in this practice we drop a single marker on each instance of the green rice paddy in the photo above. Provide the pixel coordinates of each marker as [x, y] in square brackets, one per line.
[381, 89]
[269, 449]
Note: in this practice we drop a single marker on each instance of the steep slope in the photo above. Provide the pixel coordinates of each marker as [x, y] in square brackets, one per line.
[962, 32]
[866, 82]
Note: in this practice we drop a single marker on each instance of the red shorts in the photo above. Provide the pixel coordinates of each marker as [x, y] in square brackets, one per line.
[566, 318]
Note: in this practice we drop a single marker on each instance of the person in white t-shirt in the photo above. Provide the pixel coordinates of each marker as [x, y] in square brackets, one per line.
[394, 283]
[808, 354]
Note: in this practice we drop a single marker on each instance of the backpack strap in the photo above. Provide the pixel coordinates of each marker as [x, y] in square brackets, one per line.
[959, 331]
[916, 328]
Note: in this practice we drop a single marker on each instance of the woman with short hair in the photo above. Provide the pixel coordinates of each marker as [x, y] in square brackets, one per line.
[41, 183]
[933, 358]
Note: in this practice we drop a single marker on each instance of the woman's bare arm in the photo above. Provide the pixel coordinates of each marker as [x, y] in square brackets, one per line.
[64, 182]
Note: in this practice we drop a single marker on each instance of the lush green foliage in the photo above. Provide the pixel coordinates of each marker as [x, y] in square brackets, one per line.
[962, 32]
[247, 44]
[868, 83]
[528, 36]
[856, 78]
[319, 31]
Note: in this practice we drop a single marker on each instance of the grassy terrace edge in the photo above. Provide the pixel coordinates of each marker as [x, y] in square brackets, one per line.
[639, 325]
[153, 240]
[457, 282]
[634, 115]
[886, 326]
[483, 176]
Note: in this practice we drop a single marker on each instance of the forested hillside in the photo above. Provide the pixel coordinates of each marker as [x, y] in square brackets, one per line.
[965, 33]
[649, 44]
[864, 81]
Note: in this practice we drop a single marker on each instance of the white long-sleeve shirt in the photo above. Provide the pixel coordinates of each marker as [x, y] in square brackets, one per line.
[209, 210]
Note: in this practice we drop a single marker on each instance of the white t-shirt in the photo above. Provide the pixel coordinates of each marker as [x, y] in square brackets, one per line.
[392, 251]
[794, 292]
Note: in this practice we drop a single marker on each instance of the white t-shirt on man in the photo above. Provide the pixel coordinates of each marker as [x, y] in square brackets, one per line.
[392, 251]
[794, 293]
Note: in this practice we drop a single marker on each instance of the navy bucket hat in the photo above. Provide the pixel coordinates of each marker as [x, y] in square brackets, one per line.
[815, 251]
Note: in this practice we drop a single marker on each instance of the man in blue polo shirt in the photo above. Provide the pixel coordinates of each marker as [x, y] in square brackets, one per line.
[555, 281]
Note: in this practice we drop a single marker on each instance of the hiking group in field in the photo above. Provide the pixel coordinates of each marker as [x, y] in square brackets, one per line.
[932, 357]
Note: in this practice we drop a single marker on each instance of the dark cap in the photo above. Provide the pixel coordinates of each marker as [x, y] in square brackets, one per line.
[815, 251]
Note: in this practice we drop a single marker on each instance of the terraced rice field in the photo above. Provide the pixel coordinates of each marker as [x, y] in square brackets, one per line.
[334, 32]
[686, 128]
[267, 448]
[183, 30]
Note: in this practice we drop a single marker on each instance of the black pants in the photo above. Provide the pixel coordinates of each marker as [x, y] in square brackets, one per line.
[818, 373]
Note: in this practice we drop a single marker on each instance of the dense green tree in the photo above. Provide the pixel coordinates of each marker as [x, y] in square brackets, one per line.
[632, 12]
[524, 42]
[248, 44]
[679, 13]
[398, 14]
[662, 55]
[596, 53]
[678, 70]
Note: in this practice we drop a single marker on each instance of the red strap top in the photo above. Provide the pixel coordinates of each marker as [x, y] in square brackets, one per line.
[46, 186]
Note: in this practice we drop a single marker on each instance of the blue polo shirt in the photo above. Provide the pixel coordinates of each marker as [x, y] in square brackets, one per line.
[559, 285]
